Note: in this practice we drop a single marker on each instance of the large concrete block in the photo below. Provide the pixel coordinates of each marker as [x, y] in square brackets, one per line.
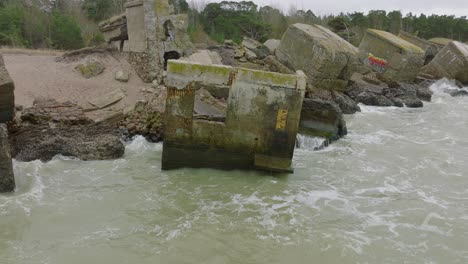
[393, 57]
[7, 96]
[7, 179]
[261, 124]
[451, 62]
[325, 58]
[430, 49]
[135, 13]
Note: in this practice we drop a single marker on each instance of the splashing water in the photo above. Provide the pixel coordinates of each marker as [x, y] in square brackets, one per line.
[395, 190]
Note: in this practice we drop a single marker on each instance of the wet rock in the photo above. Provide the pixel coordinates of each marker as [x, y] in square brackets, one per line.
[321, 118]
[347, 105]
[7, 178]
[84, 142]
[413, 103]
[325, 58]
[424, 93]
[458, 93]
[90, 69]
[122, 76]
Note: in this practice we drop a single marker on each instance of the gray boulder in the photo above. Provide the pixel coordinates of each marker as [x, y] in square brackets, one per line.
[326, 59]
[7, 178]
[272, 45]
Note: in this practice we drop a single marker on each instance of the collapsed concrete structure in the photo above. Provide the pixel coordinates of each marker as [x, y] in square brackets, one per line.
[391, 56]
[258, 130]
[451, 62]
[7, 179]
[7, 96]
[430, 49]
[327, 59]
[152, 32]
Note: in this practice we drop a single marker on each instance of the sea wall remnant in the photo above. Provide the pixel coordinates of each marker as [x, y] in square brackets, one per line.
[327, 60]
[7, 178]
[451, 62]
[258, 131]
[7, 96]
[391, 56]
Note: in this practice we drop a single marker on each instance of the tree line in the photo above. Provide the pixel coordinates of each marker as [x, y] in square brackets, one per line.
[234, 20]
[72, 24]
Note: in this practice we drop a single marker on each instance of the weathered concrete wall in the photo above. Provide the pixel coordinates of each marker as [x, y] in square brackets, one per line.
[391, 56]
[451, 62]
[326, 59]
[7, 179]
[262, 118]
[135, 26]
[7, 96]
[164, 33]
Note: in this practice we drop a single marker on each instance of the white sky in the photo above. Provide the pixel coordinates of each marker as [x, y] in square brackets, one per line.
[323, 7]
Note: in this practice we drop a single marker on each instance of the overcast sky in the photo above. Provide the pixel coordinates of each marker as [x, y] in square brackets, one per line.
[323, 7]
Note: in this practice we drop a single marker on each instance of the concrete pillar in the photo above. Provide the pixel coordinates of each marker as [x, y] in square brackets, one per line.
[7, 179]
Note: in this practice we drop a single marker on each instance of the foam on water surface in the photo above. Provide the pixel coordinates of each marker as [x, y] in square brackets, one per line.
[393, 191]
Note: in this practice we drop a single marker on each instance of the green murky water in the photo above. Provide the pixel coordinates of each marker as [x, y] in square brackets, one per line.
[394, 191]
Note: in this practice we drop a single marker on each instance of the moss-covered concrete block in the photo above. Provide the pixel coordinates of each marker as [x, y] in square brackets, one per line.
[262, 118]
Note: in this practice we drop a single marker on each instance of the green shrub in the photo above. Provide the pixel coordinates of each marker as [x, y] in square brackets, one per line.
[65, 32]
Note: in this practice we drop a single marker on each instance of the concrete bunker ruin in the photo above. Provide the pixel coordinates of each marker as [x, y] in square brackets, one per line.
[259, 128]
[391, 56]
[152, 32]
[451, 62]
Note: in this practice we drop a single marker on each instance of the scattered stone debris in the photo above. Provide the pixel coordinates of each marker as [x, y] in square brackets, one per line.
[7, 96]
[326, 59]
[81, 53]
[451, 63]
[146, 118]
[7, 178]
[90, 69]
[122, 76]
[391, 56]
